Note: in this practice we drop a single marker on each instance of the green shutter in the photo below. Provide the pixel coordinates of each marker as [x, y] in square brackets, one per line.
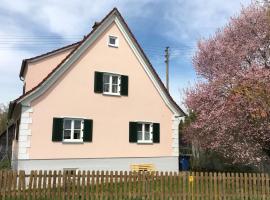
[88, 130]
[156, 133]
[133, 132]
[98, 85]
[124, 85]
[57, 132]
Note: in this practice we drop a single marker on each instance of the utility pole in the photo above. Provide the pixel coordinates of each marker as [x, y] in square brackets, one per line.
[167, 55]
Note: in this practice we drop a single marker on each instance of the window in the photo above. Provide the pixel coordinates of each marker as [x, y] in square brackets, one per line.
[145, 133]
[113, 41]
[70, 171]
[111, 83]
[73, 130]
[142, 167]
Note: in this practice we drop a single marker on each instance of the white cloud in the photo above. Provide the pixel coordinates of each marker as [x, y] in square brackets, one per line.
[183, 21]
[191, 20]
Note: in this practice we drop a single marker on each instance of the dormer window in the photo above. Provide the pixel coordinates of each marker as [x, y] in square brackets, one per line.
[113, 41]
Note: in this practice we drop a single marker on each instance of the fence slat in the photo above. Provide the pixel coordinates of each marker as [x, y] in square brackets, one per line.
[237, 189]
[97, 184]
[35, 184]
[1, 180]
[67, 184]
[9, 183]
[262, 192]
[64, 181]
[245, 185]
[251, 192]
[14, 184]
[106, 185]
[30, 185]
[19, 194]
[158, 179]
[54, 178]
[134, 184]
[125, 192]
[129, 185]
[267, 192]
[219, 187]
[87, 185]
[78, 186]
[59, 184]
[229, 191]
[241, 185]
[83, 185]
[5, 174]
[93, 173]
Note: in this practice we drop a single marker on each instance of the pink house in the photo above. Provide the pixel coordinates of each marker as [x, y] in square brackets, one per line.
[97, 104]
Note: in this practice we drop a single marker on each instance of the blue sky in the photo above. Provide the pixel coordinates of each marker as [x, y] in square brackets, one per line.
[29, 28]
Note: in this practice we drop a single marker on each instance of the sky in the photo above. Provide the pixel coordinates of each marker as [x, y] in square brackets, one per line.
[30, 28]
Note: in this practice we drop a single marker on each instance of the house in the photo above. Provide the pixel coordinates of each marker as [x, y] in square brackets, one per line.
[97, 104]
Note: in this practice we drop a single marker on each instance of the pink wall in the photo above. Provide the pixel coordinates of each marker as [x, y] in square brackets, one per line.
[73, 95]
[38, 70]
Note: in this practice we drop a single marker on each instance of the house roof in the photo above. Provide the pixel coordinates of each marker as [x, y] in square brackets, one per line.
[26, 61]
[80, 43]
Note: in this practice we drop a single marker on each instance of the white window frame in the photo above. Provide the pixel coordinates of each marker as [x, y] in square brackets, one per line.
[110, 92]
[72, 130]
[116, 41]
[143, 141]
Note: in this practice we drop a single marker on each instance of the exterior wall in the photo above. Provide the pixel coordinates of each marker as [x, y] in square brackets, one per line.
[110, 164]
[23, 143]
[73, 95]
[38, 70]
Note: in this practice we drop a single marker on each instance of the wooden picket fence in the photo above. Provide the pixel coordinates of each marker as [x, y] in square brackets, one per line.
[132, 185]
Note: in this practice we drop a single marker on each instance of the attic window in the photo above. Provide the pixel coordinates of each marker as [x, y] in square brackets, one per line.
[113, 41]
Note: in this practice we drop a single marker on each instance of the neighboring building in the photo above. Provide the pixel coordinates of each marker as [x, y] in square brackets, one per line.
[95, 105]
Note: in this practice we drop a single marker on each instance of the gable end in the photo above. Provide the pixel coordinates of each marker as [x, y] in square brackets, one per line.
[113, 16]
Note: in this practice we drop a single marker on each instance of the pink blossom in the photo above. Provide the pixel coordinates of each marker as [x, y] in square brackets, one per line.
[232, 102]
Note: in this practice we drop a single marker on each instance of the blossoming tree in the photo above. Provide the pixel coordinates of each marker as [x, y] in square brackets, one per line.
[232, 100]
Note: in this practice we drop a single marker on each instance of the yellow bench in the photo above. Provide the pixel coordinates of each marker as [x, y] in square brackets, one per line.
[142, 167]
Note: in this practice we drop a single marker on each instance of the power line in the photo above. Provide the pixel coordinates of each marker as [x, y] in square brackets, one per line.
[10, 42]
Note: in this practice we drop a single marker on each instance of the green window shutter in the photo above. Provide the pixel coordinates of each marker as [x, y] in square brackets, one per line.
[124, 85]
[57, 132]
[98, 85]
[88, 130]
[133, 132]
[156, 133]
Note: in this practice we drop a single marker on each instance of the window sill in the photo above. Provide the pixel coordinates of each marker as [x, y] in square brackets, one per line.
[111, 94]
[145, 142]
[72, 141]
[111, 45]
